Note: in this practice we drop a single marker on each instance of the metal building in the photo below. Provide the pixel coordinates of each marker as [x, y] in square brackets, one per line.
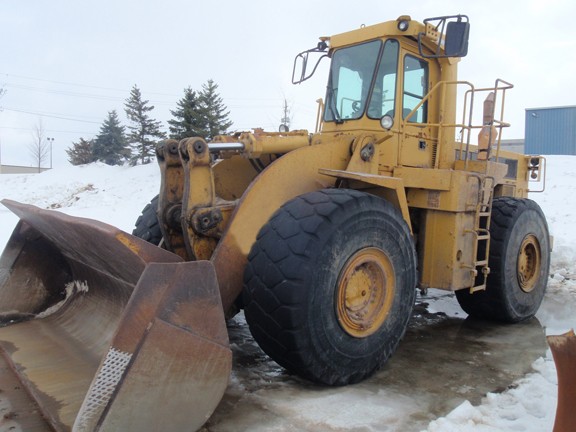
[551, 130]
[513, 145]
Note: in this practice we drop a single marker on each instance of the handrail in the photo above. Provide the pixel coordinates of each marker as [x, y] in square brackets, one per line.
[466, 126]
[499, 122]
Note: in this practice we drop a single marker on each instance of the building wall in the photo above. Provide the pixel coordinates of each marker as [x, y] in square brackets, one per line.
[512, 145]
[551, 130]
[14, 169]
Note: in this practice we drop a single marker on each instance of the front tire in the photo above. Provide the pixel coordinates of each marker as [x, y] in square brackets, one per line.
[330, 285]
[147, 226]
[519, 263]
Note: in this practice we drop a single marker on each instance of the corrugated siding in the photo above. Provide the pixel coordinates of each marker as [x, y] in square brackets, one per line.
[551, 131]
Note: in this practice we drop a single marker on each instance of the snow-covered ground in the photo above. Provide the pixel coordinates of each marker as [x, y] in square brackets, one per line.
[116, 195]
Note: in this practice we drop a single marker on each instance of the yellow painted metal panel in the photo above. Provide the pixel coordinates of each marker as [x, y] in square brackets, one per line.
[272, 188]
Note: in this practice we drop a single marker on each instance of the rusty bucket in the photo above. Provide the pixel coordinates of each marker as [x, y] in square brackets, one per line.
[100, 330]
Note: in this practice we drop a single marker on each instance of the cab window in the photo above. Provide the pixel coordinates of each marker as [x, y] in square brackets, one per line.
[383, 97]
[415, 88]
[351, 74]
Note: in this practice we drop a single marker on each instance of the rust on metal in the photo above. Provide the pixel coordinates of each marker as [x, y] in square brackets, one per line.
[564, 352]
[170, 197]
[199, 194]
[19, 410]
[174, 341]
[529, 263]
[90, 243]
[81, 300]
[365, 292]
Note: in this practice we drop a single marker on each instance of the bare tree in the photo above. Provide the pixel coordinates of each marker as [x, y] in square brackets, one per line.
[39, 147]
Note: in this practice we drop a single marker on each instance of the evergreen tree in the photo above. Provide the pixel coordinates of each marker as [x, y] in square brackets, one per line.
[143, 131]
[217, 121]
[110, 144]
[81, 152]
[189, 118]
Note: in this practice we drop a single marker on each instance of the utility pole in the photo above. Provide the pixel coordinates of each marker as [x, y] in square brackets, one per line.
[285, 120]
[50, 141]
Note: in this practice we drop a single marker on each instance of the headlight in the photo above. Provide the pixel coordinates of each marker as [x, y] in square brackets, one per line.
[403, 25]
[387, 122]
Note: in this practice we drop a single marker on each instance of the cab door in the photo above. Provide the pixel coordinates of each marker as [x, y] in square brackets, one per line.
[418, 139]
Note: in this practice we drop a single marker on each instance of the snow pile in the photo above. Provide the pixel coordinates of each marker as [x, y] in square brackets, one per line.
[117, 195]
[529, 406]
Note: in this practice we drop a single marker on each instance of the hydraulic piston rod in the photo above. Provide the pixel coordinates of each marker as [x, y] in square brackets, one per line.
[218, 147]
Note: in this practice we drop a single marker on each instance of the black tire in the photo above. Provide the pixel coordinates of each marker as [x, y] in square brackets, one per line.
[147, 226]
[301, 285]
[519, 263]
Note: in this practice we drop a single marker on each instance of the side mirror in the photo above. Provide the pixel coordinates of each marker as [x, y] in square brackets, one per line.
[452, 30]
[456, 41]
[300, 71]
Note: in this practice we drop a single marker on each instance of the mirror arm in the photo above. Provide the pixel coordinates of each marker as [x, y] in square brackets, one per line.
[320, 48]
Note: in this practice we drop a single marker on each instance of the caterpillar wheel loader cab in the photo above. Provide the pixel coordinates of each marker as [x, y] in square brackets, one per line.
[322, 238]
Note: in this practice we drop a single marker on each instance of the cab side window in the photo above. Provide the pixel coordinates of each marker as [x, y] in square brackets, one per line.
[415, 88]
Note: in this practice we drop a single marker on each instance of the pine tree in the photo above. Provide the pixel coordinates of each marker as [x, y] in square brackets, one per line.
[81, 152]
[217, 120]
[143, 130]
[189, 119]
[110, 144]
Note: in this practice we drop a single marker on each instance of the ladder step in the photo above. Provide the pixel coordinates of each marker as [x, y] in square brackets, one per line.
[478, 288]
[483, 215]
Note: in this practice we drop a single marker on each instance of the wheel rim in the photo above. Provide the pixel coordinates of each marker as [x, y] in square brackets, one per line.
[365, 292]
[529, 263]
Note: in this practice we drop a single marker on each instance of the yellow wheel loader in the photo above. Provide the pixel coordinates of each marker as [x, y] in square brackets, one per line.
[322, 238]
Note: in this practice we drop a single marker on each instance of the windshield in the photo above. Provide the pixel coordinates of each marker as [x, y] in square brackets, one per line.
[351, 75]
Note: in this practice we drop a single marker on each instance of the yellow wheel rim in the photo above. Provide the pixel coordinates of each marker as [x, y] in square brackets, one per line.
[365, 292]
[529, 263]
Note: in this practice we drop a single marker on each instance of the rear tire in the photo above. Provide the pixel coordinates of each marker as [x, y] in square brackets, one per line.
[519, 263]
[330, 285]
[147, 226]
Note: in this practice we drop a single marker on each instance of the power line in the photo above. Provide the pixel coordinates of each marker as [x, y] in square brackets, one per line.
[24, 87]
[246, 104]
[49, 130]
[73, 84]
[51, 115]
[64, 92]
[80, 95]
